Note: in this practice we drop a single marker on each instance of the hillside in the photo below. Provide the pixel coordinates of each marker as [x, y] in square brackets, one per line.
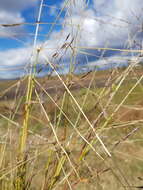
[63, 127]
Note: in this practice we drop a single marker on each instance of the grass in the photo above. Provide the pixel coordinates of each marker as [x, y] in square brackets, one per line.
[73, 132]
[61, 150]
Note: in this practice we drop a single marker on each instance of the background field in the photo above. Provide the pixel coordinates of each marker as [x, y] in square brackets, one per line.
[62, 149]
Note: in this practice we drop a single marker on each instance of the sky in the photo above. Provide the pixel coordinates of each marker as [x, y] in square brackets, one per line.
[86, 24]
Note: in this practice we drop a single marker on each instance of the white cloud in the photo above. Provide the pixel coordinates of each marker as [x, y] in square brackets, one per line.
[114, 61]
[17, 56]
[6, 17]
[9, 18]
[76, 7]
[109, 23]
[10, 12]
[14, 62]
[122, 13]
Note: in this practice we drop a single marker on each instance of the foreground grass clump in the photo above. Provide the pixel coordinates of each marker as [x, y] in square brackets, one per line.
[69, 129]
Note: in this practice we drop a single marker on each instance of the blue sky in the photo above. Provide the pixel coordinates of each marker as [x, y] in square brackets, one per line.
[27, 14]
[92, 24]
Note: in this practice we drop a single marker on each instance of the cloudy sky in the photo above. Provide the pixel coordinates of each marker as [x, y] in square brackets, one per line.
[86, 24]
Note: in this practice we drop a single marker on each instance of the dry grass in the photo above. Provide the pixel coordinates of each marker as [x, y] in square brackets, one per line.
[62, 151]
[74, 132]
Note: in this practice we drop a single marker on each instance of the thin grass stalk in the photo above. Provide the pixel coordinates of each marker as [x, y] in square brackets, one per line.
[20, 183]
[56, 137]
[74, 127]
[76, 103]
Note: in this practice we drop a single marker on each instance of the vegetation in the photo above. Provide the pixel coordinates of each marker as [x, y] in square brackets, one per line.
[83, 136]
[74, 131]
